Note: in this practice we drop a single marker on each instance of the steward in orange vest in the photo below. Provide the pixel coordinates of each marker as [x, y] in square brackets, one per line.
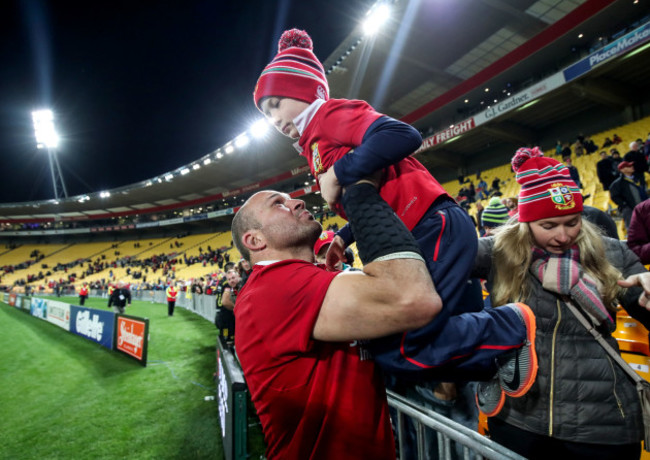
[83, 294]
[172, 293]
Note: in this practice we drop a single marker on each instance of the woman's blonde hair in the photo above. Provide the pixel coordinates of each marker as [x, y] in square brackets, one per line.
[512, 256]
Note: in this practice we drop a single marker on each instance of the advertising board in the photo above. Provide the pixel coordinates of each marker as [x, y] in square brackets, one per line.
[232, 399]
[92, 324]
[58, 313]
[132, 336]
[38, 308]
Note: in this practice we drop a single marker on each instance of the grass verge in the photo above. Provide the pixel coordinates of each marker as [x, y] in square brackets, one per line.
[66, 397]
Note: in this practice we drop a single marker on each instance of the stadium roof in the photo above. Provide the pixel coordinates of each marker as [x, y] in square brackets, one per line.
[430, 59]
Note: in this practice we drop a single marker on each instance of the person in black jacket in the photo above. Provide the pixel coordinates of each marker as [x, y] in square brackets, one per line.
[607, 170]
[627, 191]
[119, 298]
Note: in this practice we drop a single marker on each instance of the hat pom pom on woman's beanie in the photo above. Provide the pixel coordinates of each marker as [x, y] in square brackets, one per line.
[295, 38]
[524, 154]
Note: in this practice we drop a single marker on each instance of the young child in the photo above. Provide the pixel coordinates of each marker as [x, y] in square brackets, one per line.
[347, 140]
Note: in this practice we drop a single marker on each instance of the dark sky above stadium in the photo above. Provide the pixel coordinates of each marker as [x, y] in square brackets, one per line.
[138, 87]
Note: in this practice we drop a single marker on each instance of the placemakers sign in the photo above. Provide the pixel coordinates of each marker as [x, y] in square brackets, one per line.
[132, 336]
[95, 325]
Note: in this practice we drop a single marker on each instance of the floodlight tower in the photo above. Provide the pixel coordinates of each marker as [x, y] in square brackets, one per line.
[47, 138]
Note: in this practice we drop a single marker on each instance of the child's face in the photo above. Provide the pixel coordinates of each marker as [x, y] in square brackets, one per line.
[281, 111]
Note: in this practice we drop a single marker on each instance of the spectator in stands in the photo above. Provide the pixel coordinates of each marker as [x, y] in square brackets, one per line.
[607, 142]
[646, 147]
[616, 139]
[245, 270]
[119, 298]
[494, 215]
[291, 101]
[616, 157]
[477, 219]
[558, 148]
[600, 219]
[229, 299]
[171, 294]
[511, 203]
[589, 145]
[482, 189]
[578, 149]
[573, 171]
[495, 190]
[83, 293]
[638, 233]
[627, 191]
[224, 318]
[636, 157]
[296, 320]
[582, 405]
[566, 151]
[607, 170]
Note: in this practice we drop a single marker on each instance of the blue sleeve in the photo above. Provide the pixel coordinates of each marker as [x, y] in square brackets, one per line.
[386, 142]
[345, 233]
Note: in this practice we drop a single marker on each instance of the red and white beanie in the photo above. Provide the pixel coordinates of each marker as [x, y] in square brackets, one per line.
[547, 189]
[295, 71]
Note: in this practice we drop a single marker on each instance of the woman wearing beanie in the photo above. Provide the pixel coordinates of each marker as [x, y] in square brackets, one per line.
[582, 404]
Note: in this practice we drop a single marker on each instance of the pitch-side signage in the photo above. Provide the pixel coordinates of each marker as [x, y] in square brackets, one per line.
[58, 313]
[91, 324]
[131, 336]
[38, 308]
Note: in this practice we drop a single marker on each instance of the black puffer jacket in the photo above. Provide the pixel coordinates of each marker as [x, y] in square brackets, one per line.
[580, 394]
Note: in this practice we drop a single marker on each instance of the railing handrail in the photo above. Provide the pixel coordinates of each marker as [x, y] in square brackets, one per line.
[453, 430]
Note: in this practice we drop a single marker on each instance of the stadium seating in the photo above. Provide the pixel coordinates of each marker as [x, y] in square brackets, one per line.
[188, 246]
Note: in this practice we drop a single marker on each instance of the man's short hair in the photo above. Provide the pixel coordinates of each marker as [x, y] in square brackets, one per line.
[241, 223]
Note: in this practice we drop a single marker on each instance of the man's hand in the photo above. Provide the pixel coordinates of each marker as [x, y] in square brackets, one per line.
[330, 188]
[335, 254]
[642, 280]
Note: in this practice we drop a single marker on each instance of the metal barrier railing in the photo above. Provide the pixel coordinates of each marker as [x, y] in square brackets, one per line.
[474, 445]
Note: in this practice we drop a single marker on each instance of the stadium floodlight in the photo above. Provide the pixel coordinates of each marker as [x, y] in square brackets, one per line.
[376, 17]
[169, 177]
[219, 155]
[185, 171]
[229, 149]
[47, 138]
[207, 161]
[259, 128]
[196, 166]
[241, 141]
[104, 194]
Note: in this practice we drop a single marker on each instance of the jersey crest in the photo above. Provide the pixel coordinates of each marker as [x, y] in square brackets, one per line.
[316, 164]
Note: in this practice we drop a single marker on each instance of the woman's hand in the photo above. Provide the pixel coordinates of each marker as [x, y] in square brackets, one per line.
[642, 280]
[335, 254]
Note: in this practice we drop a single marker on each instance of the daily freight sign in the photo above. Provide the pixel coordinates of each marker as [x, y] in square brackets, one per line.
[131, 337]
[95, 325]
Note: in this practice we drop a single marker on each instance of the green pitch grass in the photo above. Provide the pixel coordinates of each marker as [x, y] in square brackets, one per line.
[65, 397]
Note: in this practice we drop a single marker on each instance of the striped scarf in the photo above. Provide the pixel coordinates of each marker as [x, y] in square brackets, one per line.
[563, 274]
